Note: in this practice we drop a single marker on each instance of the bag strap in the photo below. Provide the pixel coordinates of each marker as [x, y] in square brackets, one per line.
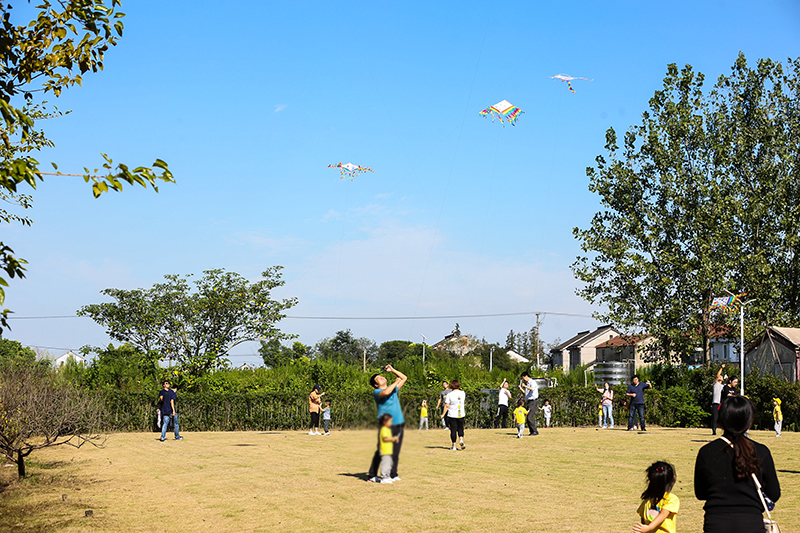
[758, 485]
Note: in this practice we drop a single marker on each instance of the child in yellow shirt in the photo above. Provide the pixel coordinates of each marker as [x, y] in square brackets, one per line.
[386, 447]
[519, 417]
[423, 415]
[659, 506]
[777, 415]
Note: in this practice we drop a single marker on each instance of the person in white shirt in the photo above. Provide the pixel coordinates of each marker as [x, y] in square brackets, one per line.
[716, 399]
[454, 410]
[531, 390]
[503, 396]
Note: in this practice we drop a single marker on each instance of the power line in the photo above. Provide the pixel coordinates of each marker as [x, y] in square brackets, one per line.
[298, 317]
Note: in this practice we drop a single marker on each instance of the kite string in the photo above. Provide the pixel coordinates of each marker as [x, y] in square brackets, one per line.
[452, 167]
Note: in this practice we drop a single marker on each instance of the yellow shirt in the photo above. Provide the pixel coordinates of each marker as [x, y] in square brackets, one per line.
[519, 414]
[423, 412]
[387, 448]
[649, 512]
[777, 414]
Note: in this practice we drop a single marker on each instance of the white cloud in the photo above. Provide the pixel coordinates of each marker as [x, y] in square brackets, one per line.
[280, 107]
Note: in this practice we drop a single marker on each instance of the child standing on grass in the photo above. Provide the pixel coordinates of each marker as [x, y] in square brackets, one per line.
[659, 506]
[777, 415]
[519, 417]
[423, 415]
[387, 447]
[547, 409]
[326, 417]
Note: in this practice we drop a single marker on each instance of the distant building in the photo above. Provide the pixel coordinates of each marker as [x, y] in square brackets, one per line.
[69, 356]
[246, 366]
[581, 349]
[457, 344]
[517, 358]
[637, 349]
[777, 352]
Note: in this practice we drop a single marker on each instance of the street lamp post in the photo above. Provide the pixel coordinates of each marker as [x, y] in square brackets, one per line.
[741, 340]
[424, 338]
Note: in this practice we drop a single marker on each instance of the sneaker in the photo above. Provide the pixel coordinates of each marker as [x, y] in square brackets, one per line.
[386, 480]
[178, 438]
[454, 449]
[162, 439]
[462, 444]
[327, 433]
[310, 432]
[396, 478]
[374, 479]
[317, 433]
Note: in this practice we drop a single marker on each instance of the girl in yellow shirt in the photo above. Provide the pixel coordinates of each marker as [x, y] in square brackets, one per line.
[423, 415]
[659, 506]
[777, 415]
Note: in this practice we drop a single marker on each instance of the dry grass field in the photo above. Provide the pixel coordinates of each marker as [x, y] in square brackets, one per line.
[563, 480]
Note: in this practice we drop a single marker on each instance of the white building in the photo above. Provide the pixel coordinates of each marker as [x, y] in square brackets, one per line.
[69, 356]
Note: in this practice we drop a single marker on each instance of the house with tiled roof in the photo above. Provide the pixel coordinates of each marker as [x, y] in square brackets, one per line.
[636, 348]
[581, 349]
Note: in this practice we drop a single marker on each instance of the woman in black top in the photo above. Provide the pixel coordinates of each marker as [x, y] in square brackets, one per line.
[722, 473]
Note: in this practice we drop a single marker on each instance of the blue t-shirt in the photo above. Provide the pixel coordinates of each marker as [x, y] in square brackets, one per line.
[639, 391]
[326, 413]
[389, 404]
[164, 397]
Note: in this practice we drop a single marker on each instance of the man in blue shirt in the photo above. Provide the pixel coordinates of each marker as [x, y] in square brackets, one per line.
[635, 394]
[166, 400]
[388, 402]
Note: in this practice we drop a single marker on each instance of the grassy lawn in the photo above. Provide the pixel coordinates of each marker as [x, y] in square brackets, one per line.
[563, 480]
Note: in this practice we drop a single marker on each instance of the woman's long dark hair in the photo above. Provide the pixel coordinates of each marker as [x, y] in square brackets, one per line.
[660, 480]
[736, 417]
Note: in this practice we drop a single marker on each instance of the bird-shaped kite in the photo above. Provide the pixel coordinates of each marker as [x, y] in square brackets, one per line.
[504, 109]
[568, 79]
[350, 170]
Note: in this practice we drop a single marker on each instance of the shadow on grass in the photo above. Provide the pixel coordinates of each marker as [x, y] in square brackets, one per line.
[790, 471]
[242, 444]
[270, 433]
[361, 476]
[438, 447]
[697, 440]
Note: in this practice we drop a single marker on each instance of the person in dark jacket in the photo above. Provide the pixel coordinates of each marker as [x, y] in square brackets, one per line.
[722, 473]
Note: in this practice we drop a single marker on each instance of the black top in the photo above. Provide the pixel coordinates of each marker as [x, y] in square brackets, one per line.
[715, 482]
[727, 390]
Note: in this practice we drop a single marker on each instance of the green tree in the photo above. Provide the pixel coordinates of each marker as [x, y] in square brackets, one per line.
[195, 327]
[694, 202]
[391, 352]
[123, 368]
[50, 53]
[13, 351]
[346, 348]
[276, 354]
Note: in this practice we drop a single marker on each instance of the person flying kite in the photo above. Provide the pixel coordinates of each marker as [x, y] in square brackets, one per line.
[504, 109]
[568, 79]
[350, 170]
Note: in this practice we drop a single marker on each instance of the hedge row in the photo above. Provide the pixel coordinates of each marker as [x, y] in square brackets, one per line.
[671, 406]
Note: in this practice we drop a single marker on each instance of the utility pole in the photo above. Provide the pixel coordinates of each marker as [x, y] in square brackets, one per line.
[537, 342]
[364, 359]
[491, 355]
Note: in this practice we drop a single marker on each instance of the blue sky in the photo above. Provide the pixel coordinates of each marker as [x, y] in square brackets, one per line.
[249, 102]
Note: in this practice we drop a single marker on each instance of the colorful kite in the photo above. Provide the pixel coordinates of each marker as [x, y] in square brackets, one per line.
[727, 303]
[504, 109]
[350, 170]
[568, 79]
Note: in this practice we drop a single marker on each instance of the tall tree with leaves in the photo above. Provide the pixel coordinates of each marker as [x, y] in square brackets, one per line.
[196, 327]
[689, 203]
[48, 54]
